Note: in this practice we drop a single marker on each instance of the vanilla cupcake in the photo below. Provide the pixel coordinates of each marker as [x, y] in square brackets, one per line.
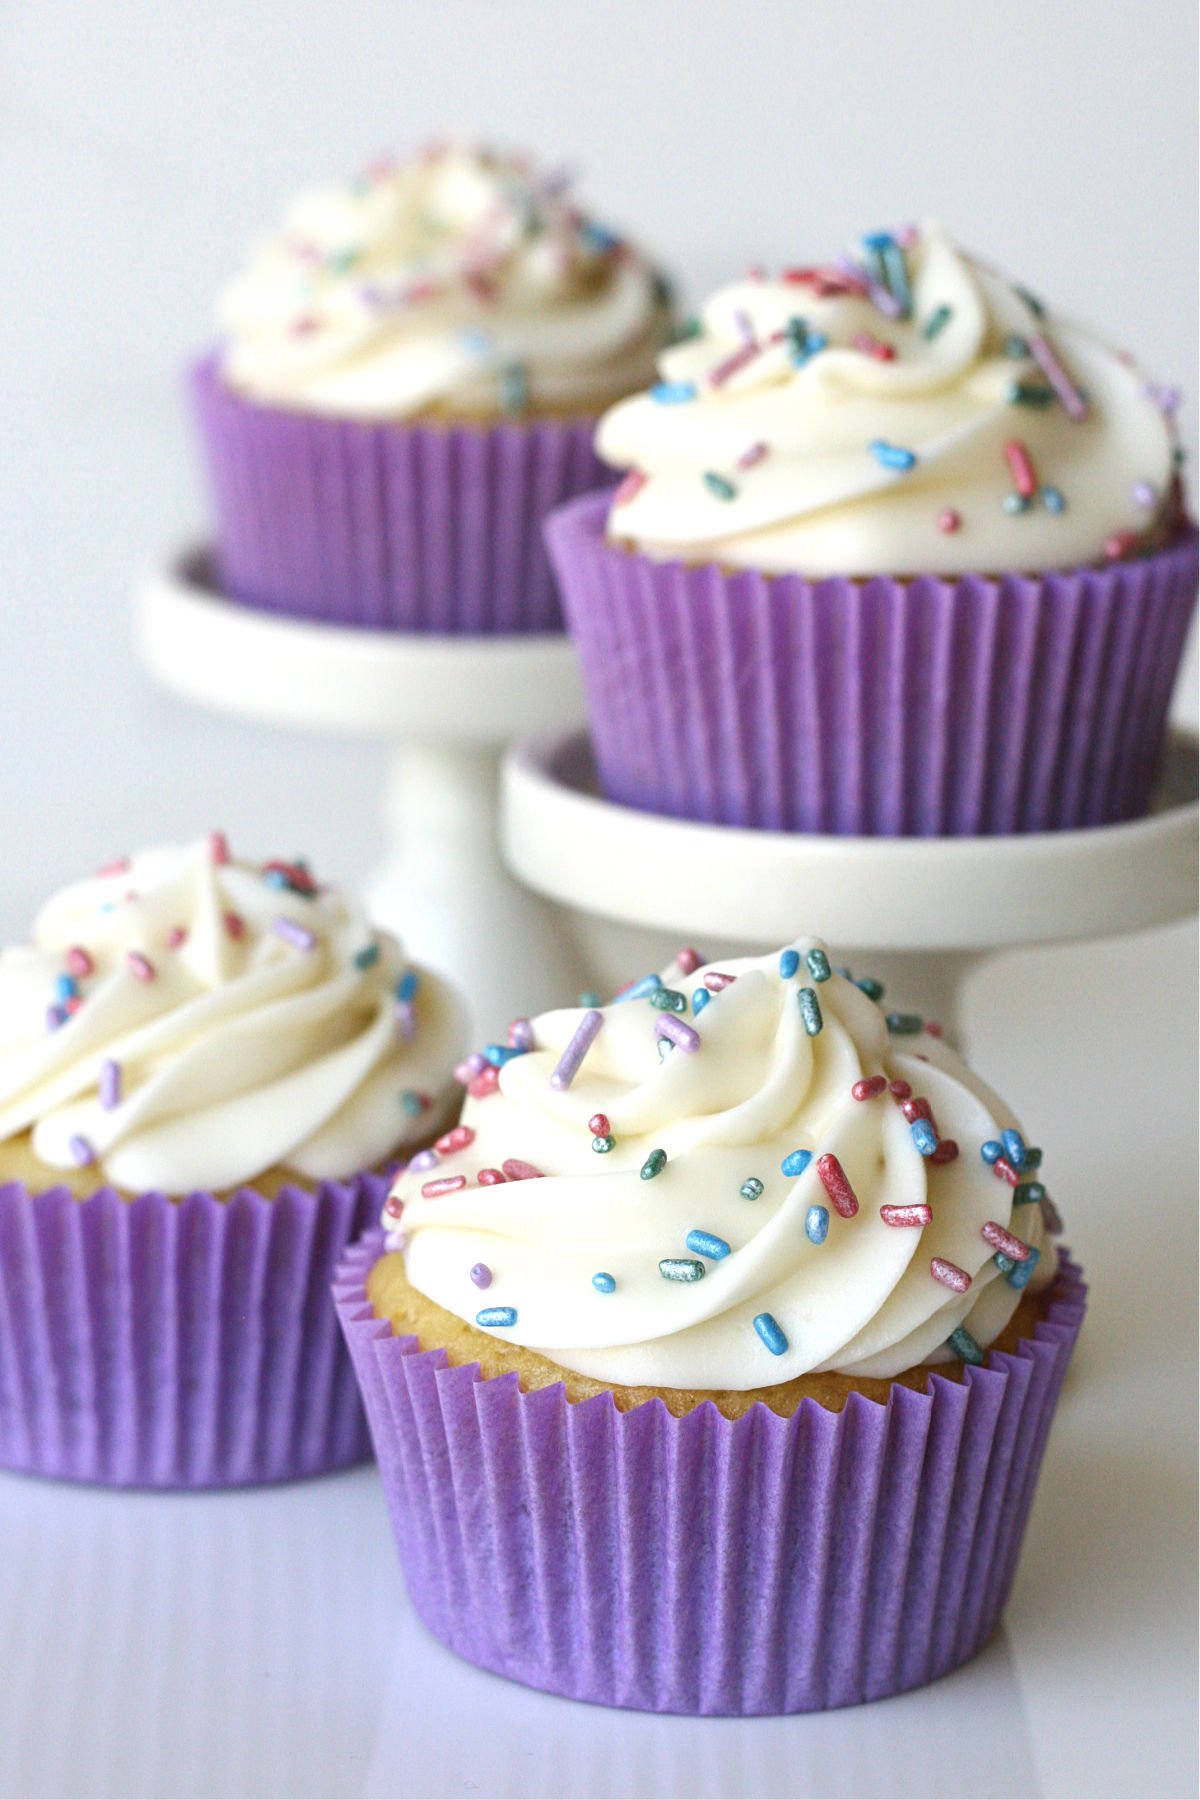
[409, 377]
[208, 1068]
[717, 1346]
[898, 551]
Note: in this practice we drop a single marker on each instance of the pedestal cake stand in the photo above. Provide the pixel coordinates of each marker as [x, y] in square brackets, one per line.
[919, 913]
[448, 705]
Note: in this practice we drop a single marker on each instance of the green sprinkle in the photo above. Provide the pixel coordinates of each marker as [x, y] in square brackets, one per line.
[588, 999]
[681, 1268]
[719, 485]
[964, 1345]
[751, 1189]
[1032, 302]
[937, 321]
[1016, 346]
[665, 999]
[367, 956]
[818, 965]
[602, 1145]
[654, 1165]
[1028, 1193]
[904, 1024]
[810, 1010]
[874, 990]
[690, 328]
[1028, 393]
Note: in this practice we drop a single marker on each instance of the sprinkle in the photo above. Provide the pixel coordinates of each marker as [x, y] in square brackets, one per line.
[899, 1090]
[176, 937]
[520, 1034]
[603, 1142]
[456, 1139]
[751, 1188]
[1052, 500]
[716, 982]
[65, 988]
[588, 999]
[991, 1151]
[496, 1315]
[949, 1274]
[752, 456]
[1033, 1157]
[630, 487]
[599, 1125]
[1119, 544]
[837, 1185]
[640, 990]
[795, 1162]
[869, 1087]
[873, 347]
[1016, 347]
[918, 1214]
[700, 1000]
[1143, 494]
[1026, 393]
[517, 1170]
[810, 1010]
[729, 365]
[1005, 1264]
[688, 960]
[965, 1346]
[937, 322]
[424, 1159]
[481, 1275]
[500, 1054]
[1032, 302]
[789, 962]
[444, 1184]
[681, 1268]
[55, 1016]
[891, 456]
[678, 1033]
[771, 1333]
[1016, 503]
[582, 1041]
[514, 388]
[673, 393]
[406, 1019]
[393, 1206]
[1069, 396]
[706, 1243]
[924, 1137]
[1016, 455]
[412, 1102]
[81, 1151]
[119, 866]
[946, 1152]
[1004, 1170]
[491, 1178]
[895, 271]
[140, 966]
[235, 925]
[903, 1024]
[816, 1224]
[666, 999]
[1019, 1277]
[720, 485]
[469, 1067]
[818, 965]
[79, 962]
[918, 1108]
[1029, 1193]
[997, 1238]
[654, 1165]
[110, 1084]
[874, 990]
[406, 987]
[293, 933]
[1014, 1147]
[664, 1048]
[218, 848]
[603, 1282]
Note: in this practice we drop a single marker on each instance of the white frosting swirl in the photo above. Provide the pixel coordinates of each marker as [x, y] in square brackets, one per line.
[757, 1088]
[460, 280]
[804, 398]
[186, 1022]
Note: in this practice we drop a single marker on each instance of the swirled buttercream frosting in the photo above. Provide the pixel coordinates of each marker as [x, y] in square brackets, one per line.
[904, 410]
[186, 1021]
[731, 1176]
[463, 281]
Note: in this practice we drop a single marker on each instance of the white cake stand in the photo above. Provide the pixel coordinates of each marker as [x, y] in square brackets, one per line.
[919, 913]
[448, 705]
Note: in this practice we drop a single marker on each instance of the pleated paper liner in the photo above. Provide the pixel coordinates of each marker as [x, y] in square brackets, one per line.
[701, 1564]
[884, 708]
[393, 526]
[178, 1344]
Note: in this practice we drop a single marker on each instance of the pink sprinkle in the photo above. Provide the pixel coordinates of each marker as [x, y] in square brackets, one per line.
[117, 867]
[949, 520]
[520, 1034]
[870, 345]
[235, 925]
[949, 1274]
[218, 847]
[78, 961]
[444, 1184]
[689, 960]
[920, 1214]
[1004, 1241]
[176, 937]
[868, 1088]
[631, 486]
[516, 1170]
[140, 966]
[72, 1004]
[1020, 465]
[1003, 1170]
[1119, 544]
[304, 326]
[837, 1185]
[1069, 396]
[393, 1206]
[753, 455]
[946, 1152]
[397, 1240]
[933, 1028]
[729, 367]
[899, 1090]
[483, 1084]
[715, 982]
[457, 1139]
[491, 1177]
[471, 1066]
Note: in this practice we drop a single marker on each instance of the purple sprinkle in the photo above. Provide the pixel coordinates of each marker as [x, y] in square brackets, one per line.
[1143, 494]
[424, 1159]
[568, 1063]
[681, 1035]
[481, 1275]
[753, 455]
[292, 932]
[397, 1240]
[520, 1034]
[406, 1019]
[55, 1016]
[110, 1084]
[881, 298]
[81, 1151]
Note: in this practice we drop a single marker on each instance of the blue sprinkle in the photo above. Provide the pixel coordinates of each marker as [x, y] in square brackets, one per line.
[878, 240]
[598, 237]
[964, 1345]
[499, 1054]
[1019, 1277]
[1052, 500]
[364, 958]
[705, 1243]
[816, 1224]
[751, 1188]
[673, 393]
[66, 987]
[603, 1282]
[1014, 1147]
[818, 965]
[991, 1151]
[810, 1010]
[406, 987]
[891, 456]
[924, 1137]
[649, 984]
[796, 1162]
[769, 1330]
[1005, 1264]
[789, 962]
[475, 341]
[700, 1000]
[497, 1315]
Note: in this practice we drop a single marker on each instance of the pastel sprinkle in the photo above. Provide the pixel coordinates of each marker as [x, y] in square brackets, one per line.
[235, 925]
[581, 1042]
[891, 456]
[603, 1282]
[587, 999]
[700, 1000]
[1120, 544]
[673, 393]
[679, 1034]
[1143, 494]
[752, 456]
[1019, 1277]
[681, 1268]
[496, 1316]
[654, 1165]
[481, 1275]
[443, 1184]
[920, 1213]
[810, 1010]
[720, 485]
[903, 1024]
[1016, 503]
[771, 1333]
[1016, 347]
[1069, 396]
[789, 962]
[937, 321]
[1052, 500]
[641, 990]
[796, 1162]
[81, 1151]
[949, 1274]
[688, 960]
[706, 1243]
[924, 1137]
[665, 999]
[630, 487]
[79, 962]
[293, 933]
[1020, 465]
[837, 1185]
[110, 1084]
[751, 1188]
[737, 359]
[65, 988]
[176, 937]
[218, 848]
[997, 1238]
[410, 1100]
[470, 1066]
[499, 1054]
[55, 1016]
[965, 1346]
[816, 1224]
[818, 965]
[520, 1034]
[460, 1137]
[424, 1159]
[869, 1087]
[140, 966]
[716, 982]
[518, 1170]
[491, 1178]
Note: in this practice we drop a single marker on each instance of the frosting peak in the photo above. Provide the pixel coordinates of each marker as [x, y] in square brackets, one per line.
[730, 1176]
[904, 410]
[184, 1021]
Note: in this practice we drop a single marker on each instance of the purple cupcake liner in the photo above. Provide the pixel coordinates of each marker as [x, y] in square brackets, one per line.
[393, 526]
[178, 1344]
[884, 708]
[707, 1565]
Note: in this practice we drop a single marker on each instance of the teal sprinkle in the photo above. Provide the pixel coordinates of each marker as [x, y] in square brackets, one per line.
[588, 999]
[751, 1188]
[810, 1010]
[681, 1268]
[818, 965]
[965, 1346]
[411, 1102]
[406, 987]
[367, 956]
[1019, 1277]
[665, 999]
[1016, 503]
[654, 1165]
[1032, 302]
[1016, 346]
[514, 388]
[719, 485]
[904, 1024]
[1026, 393]
[937, 321]
[1052, 500]
[874, 990]
[1005, 1264]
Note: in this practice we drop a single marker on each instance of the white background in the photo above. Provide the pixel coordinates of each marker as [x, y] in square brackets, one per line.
[263, 1644]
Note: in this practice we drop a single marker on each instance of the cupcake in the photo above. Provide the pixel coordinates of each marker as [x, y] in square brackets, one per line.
[409, 378]
[710, 1361]
[897, 552]
[208, 1069]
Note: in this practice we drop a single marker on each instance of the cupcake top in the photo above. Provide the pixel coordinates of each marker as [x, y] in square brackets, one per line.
[185, 1021]
[460, 283]
[905, 410]
[731, 1176]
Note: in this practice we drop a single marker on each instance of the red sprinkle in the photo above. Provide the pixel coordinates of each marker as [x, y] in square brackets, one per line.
[946, 1151]
[949, 1274]
[632, 485]
[920, 1214]
[445, 1184]
[1004, 1171]
[837, 1185]
[393, 1206]
[140, 965]
[599, 1126]
[293, 873]
[899, 1090]
[949, 520]
[715, 981]
[873, 346]
[235, 925]
[869, 1087]
[999, 1239]
[933, 1028]
[1119, 544]
[516, 1170]
[72, 1004]
[689, 960]
[457, 1139]
[1020, 464]
[736, 360]
[491, 1178]
[218, 847]
[483, 1084]
[78, 961]
[919, 1108]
